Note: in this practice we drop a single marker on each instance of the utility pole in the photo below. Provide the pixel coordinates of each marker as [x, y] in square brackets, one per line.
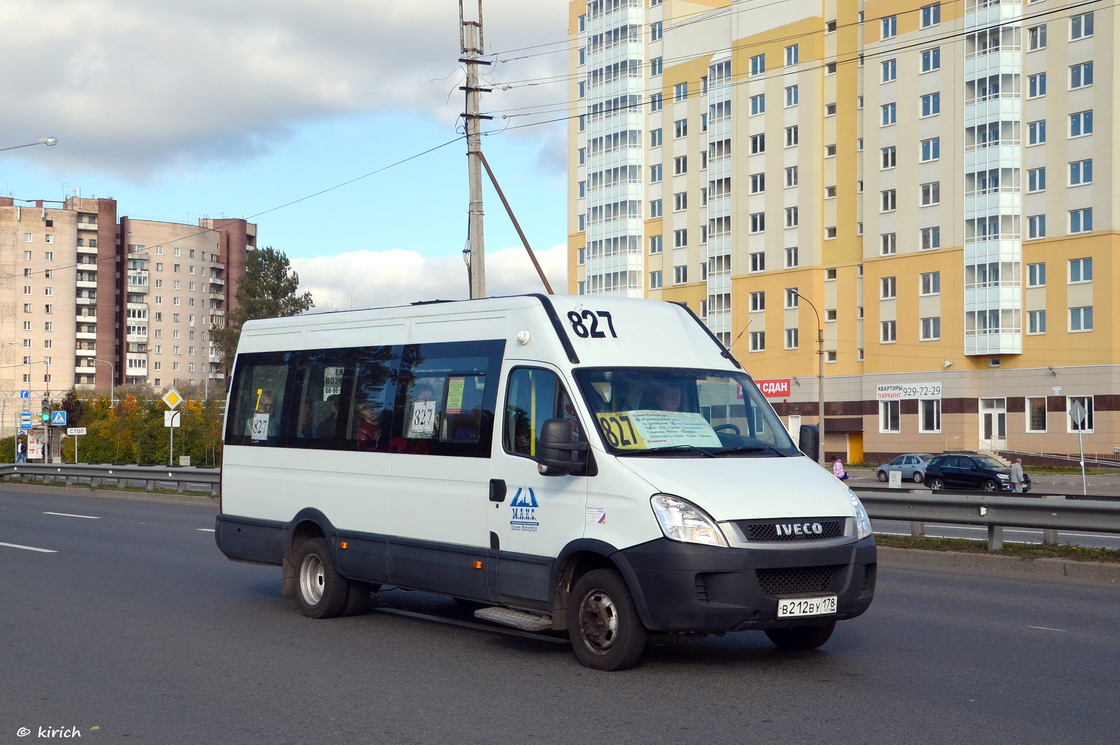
[471, 46]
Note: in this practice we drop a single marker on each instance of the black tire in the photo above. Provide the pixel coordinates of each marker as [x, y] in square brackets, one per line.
[320, 590]
[936, 484]
[917, 477]
[801, 637]
[603, 624]
[989, 485]
[882, 475]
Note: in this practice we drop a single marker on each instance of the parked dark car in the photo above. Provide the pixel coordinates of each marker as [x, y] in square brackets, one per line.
[970, 471]
[912, 466]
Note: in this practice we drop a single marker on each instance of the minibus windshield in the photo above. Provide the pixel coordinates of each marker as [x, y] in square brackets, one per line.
[680, 412]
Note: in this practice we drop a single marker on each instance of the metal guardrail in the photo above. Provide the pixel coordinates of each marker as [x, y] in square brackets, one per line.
[1050, 513]
[152, 478]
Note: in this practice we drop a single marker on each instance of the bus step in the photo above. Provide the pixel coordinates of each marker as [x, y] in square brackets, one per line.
[518, 619]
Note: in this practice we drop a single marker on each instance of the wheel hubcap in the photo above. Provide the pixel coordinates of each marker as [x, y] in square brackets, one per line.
[598, 621]
[311, 580]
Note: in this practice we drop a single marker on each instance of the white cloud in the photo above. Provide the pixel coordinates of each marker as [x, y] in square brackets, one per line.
[370, 279]
[141, 88]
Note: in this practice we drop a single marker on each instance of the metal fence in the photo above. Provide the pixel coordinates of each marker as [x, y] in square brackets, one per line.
[147, 478]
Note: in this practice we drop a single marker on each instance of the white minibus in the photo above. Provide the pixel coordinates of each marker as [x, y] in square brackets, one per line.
[597, 466]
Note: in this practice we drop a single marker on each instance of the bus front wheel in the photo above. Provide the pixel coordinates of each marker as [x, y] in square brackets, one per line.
[603, 623]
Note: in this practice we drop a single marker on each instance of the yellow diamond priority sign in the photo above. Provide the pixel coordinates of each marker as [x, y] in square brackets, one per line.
[172, 398]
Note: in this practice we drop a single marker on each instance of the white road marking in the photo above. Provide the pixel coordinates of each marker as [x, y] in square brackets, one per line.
[66, 514]
[30, 548]
[1047, 628]
[205, 530]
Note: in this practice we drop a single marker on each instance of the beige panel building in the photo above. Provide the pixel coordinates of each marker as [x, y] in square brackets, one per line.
[926, 187]
[88, 297]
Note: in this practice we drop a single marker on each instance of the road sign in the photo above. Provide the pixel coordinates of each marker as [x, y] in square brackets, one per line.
[25, 420]
[172, 418]
[25, 394]
[58, 418]
[74, 431]
[172, 399]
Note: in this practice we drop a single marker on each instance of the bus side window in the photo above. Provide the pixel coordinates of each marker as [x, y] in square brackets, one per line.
[533, 397]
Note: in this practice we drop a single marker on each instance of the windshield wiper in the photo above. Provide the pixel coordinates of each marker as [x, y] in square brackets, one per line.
[750, 449]
[668, 448]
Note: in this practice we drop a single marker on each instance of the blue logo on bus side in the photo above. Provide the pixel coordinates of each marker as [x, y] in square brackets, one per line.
[524, 510]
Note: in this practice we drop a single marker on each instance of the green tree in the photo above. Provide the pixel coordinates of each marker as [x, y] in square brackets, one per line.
[269, 289]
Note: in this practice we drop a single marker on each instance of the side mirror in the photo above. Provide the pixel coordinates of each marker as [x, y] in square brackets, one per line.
[556, 453]
[809, 441]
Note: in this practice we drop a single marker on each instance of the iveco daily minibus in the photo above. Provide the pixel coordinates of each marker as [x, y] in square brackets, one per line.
[596, 466]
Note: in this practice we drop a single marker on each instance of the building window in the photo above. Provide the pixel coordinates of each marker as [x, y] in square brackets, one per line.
[1080, 26]
[1036, 85]
[1036, 275]
[655, 244]
[758, 301]
[791, 217]
[931, 149]
[792, 95]
[793, 55]
[931, 194]
[758, 222]
[655, 31]
[656, 66]
[758, 104]
[791, 256]
[889, 412]
[888, 244]
[792, 298]
[931, 328]
[680, 238]
[889, 114]
[1036, 37]
[656, 102]
[931, 15]
[1036, 132]
[680, 201]
[655, 173]
[655, 280]
[931, 104]
[1079, 410]
[791, 176]
[887, 332]
[890, 71]
[1036, 179]
[1081, 319]
[758, 183]
[758, 261]
[1081, 75]
[887, 287]
[929, 419]
[655, 138]
[1080, 270]
[1081, 221]
[758, 144]
[889, 27]
[680, 128]
[1081, 123]
[680, 275]
[1036, 414]
[1081, 172]
[758, 64]
[655, 208]
[680, 165]
[1036, 226]
[792, 136]
[680, 92]
[1036, 322]
[931, 237]
[931, 59]
[791, 338]
[758, 341]
[930, 283]
[888, 200]
[889, 157]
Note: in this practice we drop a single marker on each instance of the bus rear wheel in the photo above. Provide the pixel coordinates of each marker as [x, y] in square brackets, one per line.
[321, 591]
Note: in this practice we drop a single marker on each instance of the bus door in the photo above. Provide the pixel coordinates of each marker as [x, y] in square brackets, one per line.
[532, 517]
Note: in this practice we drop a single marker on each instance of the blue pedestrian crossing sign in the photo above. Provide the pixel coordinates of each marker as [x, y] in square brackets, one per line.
[58, 418]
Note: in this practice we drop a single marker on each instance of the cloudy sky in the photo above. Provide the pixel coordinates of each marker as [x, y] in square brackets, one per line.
[334, 126]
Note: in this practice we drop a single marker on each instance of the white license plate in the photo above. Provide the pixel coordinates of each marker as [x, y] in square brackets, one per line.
[807, 606]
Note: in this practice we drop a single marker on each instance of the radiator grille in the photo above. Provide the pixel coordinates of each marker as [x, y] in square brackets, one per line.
[776, 530]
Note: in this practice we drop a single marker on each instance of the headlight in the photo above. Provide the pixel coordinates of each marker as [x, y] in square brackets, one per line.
[1003, 477]
[862, 519]
[684, 521]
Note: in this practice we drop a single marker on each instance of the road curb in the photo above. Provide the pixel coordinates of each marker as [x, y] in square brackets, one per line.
[1089, 571]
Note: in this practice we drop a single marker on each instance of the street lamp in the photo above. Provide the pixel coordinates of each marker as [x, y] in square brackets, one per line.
[112, 381]
[820, 374]
[48, 141]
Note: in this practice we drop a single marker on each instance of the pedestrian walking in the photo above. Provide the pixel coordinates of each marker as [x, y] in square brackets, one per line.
[838, 470]
[1017, 475]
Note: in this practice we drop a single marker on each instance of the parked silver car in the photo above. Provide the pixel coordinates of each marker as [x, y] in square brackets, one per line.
[911, 465]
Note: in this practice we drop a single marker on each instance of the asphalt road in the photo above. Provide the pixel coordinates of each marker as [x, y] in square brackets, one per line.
[135, 629]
